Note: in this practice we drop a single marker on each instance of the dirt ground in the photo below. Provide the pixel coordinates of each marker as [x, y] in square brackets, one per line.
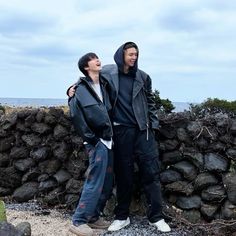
[54, 224]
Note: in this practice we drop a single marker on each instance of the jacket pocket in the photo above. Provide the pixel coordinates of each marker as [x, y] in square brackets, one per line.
[88, 102]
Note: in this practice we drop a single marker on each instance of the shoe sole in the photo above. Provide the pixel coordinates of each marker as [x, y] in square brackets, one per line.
[98, 226]
[120, 228]
[159, 229]
[75, 231]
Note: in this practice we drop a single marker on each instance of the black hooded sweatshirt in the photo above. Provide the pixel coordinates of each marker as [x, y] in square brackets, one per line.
[123, 111]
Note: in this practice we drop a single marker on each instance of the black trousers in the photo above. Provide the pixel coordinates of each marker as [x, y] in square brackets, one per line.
[130, 145]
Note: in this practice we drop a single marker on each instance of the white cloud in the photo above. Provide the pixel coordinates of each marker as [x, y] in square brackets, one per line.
[184, 45]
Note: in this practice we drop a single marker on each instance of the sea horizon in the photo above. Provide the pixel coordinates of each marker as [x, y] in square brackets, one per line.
[52, 102]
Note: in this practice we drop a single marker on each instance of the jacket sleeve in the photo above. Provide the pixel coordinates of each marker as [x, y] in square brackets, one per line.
[80, 123]
[152, 110]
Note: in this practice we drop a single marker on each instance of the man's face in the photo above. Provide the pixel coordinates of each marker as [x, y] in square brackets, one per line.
[130, 56]
[94, 65]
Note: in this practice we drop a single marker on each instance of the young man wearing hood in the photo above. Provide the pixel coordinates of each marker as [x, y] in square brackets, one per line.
[134, 121]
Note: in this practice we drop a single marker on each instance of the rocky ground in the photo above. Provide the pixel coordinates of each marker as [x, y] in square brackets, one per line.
[56, 222]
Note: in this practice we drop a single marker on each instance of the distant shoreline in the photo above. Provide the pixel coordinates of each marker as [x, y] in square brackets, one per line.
[33, 102]
[54, 102]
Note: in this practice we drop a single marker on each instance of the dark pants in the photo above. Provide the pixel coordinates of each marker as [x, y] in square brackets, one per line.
[97, 186]
[131, 144]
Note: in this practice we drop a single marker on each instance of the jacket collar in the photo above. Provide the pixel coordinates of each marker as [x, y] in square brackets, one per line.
[138, 82]
[110, 72]
[88, 80]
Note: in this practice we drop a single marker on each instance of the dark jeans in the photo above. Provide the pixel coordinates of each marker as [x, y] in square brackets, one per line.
[131, 144]
[97, 186]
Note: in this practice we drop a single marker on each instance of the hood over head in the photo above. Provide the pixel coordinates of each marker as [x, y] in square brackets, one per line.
[119, 59]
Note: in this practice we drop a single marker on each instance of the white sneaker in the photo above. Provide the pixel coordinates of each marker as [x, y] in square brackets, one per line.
[118, 224]
[161, 225]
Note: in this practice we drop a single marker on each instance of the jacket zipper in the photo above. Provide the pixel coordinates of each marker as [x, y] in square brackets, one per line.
[147, 130]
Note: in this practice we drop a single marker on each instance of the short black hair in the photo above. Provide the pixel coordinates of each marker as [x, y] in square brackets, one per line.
[83, 62]
[130, 45]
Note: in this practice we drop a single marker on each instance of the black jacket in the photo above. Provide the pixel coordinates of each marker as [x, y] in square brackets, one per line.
[143, 100]
[90, 116]
[143, 103]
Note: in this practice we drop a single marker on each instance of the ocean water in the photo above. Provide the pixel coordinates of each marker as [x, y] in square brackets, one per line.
[33, 102]
[50, 102]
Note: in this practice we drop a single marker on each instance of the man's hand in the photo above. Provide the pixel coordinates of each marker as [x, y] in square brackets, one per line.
[71, 91]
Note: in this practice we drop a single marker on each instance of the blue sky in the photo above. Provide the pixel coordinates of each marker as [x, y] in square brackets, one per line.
[188, 47]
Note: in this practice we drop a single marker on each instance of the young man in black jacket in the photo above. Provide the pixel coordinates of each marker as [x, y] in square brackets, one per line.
[134, 120]
[89, 109]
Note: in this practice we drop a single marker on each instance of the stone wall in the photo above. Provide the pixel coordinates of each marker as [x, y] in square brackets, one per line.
[42, 157]
[198, 165]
